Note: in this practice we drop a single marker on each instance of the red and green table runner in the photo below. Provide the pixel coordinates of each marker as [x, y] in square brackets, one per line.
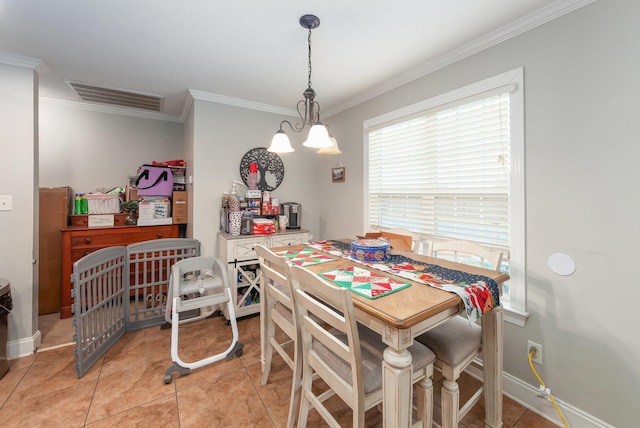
[480, 294]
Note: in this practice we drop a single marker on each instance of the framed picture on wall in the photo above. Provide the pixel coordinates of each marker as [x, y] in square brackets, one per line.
[337, 174]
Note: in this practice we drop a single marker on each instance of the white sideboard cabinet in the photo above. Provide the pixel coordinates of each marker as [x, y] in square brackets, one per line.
[238, 252]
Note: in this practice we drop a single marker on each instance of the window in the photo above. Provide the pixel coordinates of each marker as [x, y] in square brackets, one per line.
[452, 167]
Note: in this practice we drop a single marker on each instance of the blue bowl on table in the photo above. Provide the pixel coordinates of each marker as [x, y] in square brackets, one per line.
[369, 250]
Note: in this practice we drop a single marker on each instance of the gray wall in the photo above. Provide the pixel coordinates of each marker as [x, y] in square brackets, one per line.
[19, 179]
[88, 150]
[581, 93]
[222, 134]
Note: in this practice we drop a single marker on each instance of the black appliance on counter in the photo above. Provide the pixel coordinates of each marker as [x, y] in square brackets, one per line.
[293, 212]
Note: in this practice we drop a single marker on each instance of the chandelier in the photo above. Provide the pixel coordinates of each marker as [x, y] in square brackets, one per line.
[309, 112]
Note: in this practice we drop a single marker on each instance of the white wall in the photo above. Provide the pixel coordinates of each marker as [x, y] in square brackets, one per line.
[88, 150]
[19, 179]
[581, 94]
[222, 135]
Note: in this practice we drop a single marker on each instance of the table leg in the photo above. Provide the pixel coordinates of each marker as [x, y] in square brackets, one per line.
[396, 379]
[492, 337]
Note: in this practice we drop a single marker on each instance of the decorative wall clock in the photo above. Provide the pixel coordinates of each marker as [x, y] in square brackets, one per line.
[270, 168]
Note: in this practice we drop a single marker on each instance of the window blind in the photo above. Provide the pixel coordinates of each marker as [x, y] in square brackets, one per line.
[445, 171]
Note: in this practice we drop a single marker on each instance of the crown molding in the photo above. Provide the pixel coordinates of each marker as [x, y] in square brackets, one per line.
[113, 110]
[515, 28]
[237, 102]
[24, 62]
[186, 107]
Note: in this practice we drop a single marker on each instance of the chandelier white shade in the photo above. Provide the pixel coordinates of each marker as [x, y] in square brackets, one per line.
[280, 143]
[318, 137]
[332, 150]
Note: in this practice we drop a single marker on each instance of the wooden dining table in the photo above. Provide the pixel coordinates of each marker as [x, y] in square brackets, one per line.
[403, 315]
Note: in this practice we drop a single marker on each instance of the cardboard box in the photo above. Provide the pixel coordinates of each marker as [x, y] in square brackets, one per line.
[397, 242]
[55, 204]
[132, 194]
[180, 207]
[162, 209]
[146, 209]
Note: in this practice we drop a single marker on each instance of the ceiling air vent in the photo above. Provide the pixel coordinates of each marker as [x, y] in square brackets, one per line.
[117, 97]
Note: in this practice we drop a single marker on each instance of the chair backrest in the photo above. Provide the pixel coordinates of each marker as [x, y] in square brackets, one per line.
[316, 299]
[199, 268]
[468, 253]
[422, 244]
[275, 284]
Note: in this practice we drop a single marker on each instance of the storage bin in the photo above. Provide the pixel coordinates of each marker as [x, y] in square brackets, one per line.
[104, 204]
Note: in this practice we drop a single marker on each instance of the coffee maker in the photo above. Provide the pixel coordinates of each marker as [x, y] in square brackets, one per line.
[293, 212]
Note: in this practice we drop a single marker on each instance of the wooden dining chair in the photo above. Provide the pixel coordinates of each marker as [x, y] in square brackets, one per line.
[278, 310]
[347, 357]
[422, 244]
[467, 252]
[456, 343]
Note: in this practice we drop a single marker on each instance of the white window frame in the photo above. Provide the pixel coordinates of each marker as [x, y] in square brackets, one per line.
[515, 306]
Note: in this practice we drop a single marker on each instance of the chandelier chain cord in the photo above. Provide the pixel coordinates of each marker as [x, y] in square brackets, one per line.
[309, 43]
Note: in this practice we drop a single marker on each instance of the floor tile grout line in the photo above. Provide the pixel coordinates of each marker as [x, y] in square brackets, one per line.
[266, 408]
[515, 423]
[16, 385]
[175, 392]
[95, 388]
[132, 408]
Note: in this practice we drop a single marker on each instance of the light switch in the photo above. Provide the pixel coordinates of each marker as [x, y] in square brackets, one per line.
[5, 202]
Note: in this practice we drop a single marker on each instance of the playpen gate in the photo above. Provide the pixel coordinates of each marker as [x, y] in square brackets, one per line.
[121, 289]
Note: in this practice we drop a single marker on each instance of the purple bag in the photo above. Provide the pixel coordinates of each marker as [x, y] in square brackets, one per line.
[154, 180]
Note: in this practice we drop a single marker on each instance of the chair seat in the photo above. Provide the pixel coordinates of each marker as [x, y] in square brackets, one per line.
[284, 311]
[372, 349]
[453, 341]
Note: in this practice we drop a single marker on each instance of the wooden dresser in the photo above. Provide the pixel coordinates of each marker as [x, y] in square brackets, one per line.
[78, 242]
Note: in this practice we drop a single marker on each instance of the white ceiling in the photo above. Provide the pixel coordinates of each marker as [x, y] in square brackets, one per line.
[255, 50]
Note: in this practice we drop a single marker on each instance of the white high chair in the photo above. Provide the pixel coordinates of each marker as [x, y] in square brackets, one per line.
[204, 280]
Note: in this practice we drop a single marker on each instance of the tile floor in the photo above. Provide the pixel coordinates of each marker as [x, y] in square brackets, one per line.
[126, 388]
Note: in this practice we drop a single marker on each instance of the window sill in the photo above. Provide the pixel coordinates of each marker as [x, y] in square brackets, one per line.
[515, 317]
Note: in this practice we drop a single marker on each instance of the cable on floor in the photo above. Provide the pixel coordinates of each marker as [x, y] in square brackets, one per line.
[544, 390]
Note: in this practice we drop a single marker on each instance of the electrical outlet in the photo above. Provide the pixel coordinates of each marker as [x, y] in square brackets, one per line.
[537, 357]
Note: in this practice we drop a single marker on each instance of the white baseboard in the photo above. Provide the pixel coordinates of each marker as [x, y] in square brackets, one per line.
[527, 395]
[23, 347]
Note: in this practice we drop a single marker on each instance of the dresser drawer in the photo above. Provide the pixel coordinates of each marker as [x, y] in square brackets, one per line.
[78, 253]
[82, 220]
[245, 249]
[125, 237]
[288, 239]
